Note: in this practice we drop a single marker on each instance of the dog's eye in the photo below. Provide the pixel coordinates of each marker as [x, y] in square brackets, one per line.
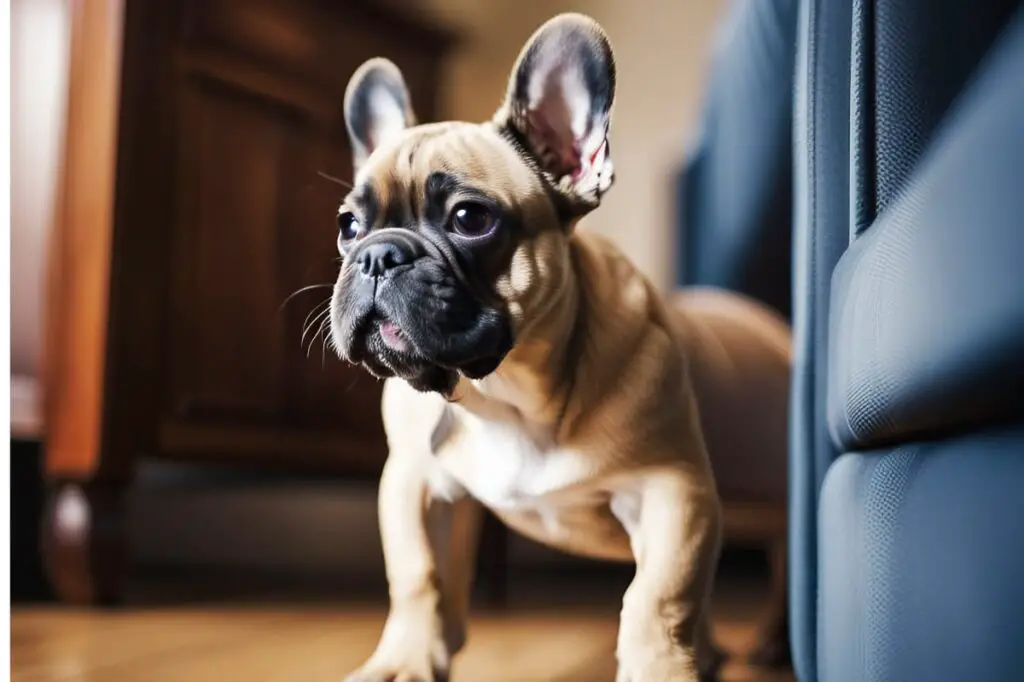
[471, 219]
[348, 226]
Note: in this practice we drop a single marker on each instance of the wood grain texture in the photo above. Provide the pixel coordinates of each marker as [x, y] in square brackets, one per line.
[289, 643]
[78, 271]
[233, 115]
[192, 207]
[256, 92]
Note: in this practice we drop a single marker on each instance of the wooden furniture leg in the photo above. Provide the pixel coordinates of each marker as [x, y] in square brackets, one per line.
[87, 466]
[84, 542]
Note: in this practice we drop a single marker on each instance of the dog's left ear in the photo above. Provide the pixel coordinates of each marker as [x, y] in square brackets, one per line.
[377, 107]
[559, 104]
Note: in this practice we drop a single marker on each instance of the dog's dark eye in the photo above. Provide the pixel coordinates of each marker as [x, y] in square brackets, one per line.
[348, 226]
[471, 219]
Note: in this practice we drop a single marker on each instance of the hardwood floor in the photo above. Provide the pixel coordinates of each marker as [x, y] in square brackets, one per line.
[551, 635]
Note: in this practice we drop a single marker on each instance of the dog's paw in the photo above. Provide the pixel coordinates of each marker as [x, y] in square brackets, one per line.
[660, 663]
[649, 648]
[370, 673]
[405, 661]
[412, 649]
[665, 669]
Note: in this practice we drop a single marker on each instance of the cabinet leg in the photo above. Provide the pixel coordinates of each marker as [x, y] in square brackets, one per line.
[772, 649]
[84, 541]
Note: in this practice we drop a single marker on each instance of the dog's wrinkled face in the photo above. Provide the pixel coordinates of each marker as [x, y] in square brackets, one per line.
[456, 235]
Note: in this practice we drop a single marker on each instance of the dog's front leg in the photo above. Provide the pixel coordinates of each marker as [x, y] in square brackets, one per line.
[429, 554]
[664, 631]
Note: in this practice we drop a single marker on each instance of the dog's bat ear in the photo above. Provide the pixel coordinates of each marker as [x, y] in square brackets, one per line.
[559, 102]
[377, 107]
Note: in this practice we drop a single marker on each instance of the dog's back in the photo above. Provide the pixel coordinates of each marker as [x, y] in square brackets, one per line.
[739, 354]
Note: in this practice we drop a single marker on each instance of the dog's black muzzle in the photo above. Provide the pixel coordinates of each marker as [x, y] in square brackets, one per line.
[403, 306]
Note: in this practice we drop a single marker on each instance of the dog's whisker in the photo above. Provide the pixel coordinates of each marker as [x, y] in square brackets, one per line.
[321, 326]
[324, 333]
[311, 319]
[336, 181]
[312, 339]
[309, 347]
[303, 290]
[318, 308]
[318, 320]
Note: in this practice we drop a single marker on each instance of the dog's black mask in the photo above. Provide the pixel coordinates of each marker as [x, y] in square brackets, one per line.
[404, 305]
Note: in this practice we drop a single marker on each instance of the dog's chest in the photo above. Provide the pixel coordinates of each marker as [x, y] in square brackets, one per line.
[552, 494]
[508, 466]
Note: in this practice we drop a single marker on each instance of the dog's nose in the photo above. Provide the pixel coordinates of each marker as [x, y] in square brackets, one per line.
[379, 257]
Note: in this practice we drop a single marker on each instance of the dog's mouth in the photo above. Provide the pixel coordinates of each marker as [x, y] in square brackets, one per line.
[384, 349]
[381, 345]
[393, 336]
[418, 337]
[380, 339]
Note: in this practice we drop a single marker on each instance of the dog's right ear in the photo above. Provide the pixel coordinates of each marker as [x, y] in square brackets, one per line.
[559, 104]
[377, 107]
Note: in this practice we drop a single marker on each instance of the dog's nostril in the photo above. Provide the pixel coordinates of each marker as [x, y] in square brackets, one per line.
[376, 259]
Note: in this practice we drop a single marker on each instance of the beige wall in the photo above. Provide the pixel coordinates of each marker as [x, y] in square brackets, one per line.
[39, 44]
[662, 51]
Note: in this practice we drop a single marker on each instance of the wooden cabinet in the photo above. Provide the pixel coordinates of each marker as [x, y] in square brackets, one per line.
[200, 137]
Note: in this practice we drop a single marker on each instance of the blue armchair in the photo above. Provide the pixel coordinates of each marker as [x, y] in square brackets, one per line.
[907, 453]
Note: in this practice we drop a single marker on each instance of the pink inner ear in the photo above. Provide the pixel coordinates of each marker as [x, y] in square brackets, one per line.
[591, 160]
[557, 150]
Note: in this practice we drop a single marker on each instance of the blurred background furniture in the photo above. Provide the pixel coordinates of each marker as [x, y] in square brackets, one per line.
[735, 221]
[908, 424]
[39, 52]
[199, 133]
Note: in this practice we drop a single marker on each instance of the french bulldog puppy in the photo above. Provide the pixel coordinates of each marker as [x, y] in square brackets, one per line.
[530, 367]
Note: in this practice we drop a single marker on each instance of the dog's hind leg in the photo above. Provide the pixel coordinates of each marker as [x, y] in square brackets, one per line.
[772, 648]
[709, 657]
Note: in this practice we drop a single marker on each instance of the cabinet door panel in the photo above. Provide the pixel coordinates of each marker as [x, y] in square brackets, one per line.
[247, 131]
[322, 391]
[227, 350]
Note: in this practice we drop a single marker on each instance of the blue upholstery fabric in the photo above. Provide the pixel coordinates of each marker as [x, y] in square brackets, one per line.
[921, 561]
[821, 167]
[928, 305]
[923, 53]
[910, 60]
[908, 314]
[735, 191]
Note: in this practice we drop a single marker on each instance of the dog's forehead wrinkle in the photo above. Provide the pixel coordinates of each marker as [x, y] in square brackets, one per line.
[478, 155]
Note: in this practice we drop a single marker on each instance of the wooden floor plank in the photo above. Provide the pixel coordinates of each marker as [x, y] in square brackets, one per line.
[554, 631]
[306, 644]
